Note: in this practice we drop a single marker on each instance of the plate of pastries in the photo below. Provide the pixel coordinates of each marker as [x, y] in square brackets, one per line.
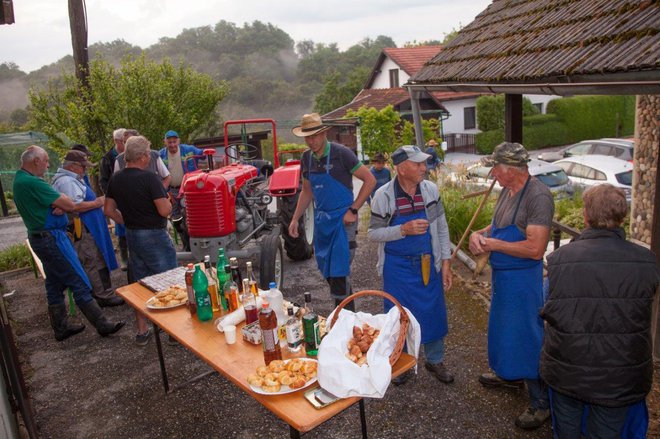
[283, 376]
[172, 297]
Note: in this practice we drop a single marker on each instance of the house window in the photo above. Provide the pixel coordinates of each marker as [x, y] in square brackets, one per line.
[469, 118]
[394, 78]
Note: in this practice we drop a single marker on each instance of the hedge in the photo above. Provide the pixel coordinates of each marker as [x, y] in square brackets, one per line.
[593, 117]
[539, 131]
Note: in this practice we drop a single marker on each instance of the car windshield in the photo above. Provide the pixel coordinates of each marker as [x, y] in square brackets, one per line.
[552, 179]
[624, 178]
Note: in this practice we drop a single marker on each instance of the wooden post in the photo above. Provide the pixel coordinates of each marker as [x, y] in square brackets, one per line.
[513, 114]
[78, 24]
[417, 117]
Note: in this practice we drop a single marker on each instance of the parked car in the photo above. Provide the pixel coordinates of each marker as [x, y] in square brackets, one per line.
[551, 175]
[590, 170]
[619, 148]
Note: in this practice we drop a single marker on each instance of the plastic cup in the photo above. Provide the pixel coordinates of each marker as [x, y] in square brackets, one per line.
[230, 334]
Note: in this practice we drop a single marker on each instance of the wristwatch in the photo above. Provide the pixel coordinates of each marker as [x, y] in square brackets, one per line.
[353, 210]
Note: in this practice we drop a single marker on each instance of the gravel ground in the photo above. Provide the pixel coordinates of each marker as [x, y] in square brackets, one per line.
[92, 387]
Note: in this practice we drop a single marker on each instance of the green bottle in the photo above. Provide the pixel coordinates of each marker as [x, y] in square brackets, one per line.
[310, 328]
[200, 286]
[223, 276]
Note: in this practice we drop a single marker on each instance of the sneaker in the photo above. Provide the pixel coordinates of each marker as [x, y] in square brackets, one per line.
[532, 418]
[440, 372]
[403, 378]
[491, 380]
[143, 339]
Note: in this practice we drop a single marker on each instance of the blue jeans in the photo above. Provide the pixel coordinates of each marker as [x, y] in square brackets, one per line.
[602, 422]
[60, 275]
[435, 351]
[150, 252]
[538, 394]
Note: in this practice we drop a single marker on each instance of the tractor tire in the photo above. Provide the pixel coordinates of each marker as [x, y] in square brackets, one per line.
[300, 248]
[271, 256]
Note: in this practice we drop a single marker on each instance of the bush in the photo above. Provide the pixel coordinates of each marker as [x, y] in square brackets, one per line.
[487, 140]
[490, 111]
[15, 256]
[459, 212]
[539, 131]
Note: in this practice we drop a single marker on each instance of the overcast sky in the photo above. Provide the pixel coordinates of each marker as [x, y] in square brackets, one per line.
[41, 34]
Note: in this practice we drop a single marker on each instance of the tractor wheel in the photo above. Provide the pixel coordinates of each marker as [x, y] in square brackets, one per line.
[270, 265]
[300, 248]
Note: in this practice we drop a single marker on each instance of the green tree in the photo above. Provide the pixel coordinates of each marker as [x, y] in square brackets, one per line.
[336, 94]
[490, 111]
[150, 97]
[378, 129]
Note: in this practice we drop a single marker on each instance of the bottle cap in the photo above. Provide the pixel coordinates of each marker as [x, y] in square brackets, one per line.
[191, 265]
[264, 304]
[289, 310]
[207, 258]
[272, 285]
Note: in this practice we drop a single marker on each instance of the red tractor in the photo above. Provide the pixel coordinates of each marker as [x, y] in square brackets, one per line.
[230, 205]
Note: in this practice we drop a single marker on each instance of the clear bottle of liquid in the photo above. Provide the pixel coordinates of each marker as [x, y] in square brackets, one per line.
[192, 305]
[202, 298]
[311, 328]
[269, 338]
[249, 304]
[213, 283]
[294, 337]
[252, 281]
[276, 299]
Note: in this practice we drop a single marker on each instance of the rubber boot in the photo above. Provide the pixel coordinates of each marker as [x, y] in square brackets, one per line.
[59, 320]
[123, 252]
[96, 317]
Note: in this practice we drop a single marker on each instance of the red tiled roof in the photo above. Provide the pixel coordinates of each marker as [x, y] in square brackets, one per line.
[377, 98]
[411, 59]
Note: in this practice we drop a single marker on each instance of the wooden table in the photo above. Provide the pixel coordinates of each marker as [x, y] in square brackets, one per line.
[233, 362]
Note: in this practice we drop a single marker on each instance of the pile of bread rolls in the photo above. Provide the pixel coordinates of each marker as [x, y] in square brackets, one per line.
[293, 373]
[359, 344]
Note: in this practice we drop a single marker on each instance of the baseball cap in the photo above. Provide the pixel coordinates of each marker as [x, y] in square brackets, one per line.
[408, 152]
[78, 157]
[378, 157]
[507, 153]
[171, 133]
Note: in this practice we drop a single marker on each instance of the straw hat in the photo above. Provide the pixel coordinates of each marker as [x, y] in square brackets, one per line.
[432, 142]
[310, 125]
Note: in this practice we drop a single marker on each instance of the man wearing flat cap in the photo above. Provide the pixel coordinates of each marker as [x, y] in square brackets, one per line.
[414, 255]
[88, 227]
[328, 170]
[516, 239]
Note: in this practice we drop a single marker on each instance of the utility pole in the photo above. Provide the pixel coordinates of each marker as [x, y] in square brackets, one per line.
[78, 23]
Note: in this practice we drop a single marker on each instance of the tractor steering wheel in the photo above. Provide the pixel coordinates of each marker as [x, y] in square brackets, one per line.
[242, 152]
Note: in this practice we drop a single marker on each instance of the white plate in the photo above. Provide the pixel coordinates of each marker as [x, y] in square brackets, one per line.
[286, 389]
[151, 306]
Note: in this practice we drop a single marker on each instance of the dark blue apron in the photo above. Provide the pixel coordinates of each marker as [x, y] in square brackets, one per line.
[95, 222]
[402, 278]
[515, 330]
[331, 202]
[56, 225]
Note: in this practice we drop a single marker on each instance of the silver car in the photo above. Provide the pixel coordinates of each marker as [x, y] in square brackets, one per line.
[619, 148]
[589, 170]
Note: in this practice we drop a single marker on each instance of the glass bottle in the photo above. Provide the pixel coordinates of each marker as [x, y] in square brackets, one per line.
[224, 274]
[269, 339]
[294, 336]
[213, 283]
[311, 327]
[227, 288]
[249, 304]
[202, 298]
[252, 282]
[221, 262]
[192, 305]
[236, 272]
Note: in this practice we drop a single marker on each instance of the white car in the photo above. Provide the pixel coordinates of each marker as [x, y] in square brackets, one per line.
[551, 175]
[590, 170]
[619, 148]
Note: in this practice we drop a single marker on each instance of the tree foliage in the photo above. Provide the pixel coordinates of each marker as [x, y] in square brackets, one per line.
[151, 97]
[490, 111]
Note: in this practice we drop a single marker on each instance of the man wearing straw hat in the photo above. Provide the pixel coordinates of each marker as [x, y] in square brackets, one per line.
[328, 170]
[408, 222]
[516, 239]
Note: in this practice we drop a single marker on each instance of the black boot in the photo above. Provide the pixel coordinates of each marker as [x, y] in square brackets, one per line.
[59, 320]
[123, 252]
[95, 316]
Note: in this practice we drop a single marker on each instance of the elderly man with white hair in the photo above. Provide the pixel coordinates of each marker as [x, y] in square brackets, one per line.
[414, 256]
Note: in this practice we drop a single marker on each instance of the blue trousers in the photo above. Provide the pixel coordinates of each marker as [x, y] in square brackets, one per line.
[150, 252]
[602, 422]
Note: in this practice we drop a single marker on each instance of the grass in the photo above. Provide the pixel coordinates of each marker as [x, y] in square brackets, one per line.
[14, 257]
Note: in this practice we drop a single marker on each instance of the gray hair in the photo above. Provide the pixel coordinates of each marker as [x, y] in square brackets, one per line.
[32, 152]
[605, 206]
[136, 147]
[118, 134]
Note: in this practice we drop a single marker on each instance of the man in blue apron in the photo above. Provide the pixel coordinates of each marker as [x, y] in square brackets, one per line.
[328, 170]
[88, 226]
[42, 209]
[414, 255]
[516, 239]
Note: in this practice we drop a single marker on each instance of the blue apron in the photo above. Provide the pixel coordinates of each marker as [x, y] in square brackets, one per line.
[402, 278]
[95, 222]
[331, 201]
[515, 330]
[56, 225]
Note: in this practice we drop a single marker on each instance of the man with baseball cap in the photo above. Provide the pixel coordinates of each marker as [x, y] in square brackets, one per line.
[414, 255]
[328, 170]
[88, 227]
[179, 159]
[516, 239]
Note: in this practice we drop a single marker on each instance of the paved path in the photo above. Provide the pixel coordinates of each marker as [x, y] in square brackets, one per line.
[12, 231]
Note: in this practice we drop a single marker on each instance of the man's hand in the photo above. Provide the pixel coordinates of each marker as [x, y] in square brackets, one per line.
[293, 228]
[58, 211]
[100, 201]
[350, 217]
[415, 227]
[447, 276]
[477, 243]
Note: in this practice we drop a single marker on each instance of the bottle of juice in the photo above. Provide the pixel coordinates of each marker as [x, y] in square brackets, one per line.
[311, 328]
[192, 305]
[227, 289]
[202, 298]
[213, 283]
[270, 340]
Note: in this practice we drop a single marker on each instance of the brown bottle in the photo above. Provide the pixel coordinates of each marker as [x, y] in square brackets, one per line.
[192, 304]
[269, 338]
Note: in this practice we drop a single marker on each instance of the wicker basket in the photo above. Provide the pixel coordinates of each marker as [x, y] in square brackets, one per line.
[403, 318]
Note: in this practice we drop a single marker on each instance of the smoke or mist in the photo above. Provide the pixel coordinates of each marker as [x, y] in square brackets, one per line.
[13, 95]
